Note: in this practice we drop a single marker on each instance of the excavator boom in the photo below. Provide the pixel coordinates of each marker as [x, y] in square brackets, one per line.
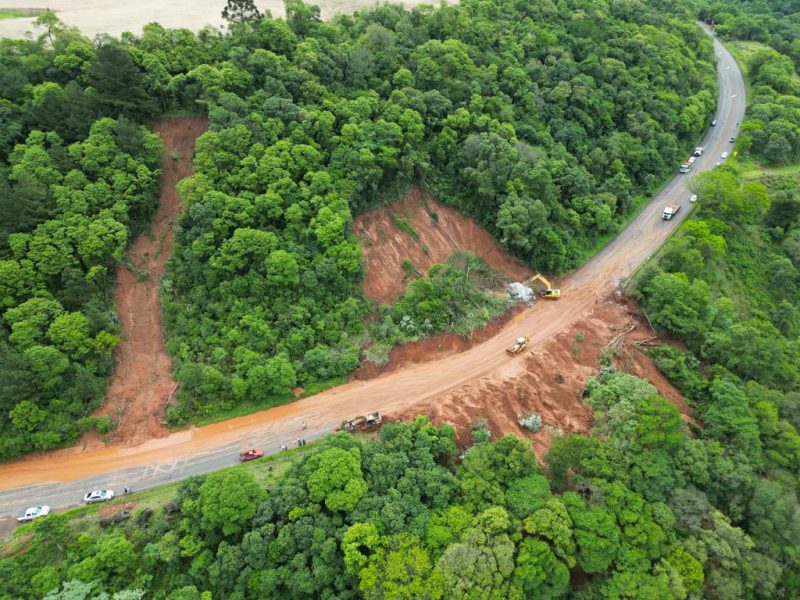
[549, 291]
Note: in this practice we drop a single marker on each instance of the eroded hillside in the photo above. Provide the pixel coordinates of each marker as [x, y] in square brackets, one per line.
[425, 231]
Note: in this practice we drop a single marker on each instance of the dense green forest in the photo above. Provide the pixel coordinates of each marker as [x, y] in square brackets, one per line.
[78, 179]
[543, 121]
[546, 122]
[312, 121]
[727, 285]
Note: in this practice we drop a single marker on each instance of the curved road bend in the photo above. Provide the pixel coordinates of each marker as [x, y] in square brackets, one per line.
[61, 481]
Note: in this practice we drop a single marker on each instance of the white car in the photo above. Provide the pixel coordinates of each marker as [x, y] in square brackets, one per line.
[98, 496]
[693, 198]
[724, 155]
[34, 512]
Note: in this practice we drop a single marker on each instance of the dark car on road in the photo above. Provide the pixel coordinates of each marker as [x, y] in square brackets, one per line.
[251, 454]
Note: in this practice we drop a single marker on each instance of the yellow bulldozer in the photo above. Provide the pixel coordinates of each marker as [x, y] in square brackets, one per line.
[549, 291]
[519, 345]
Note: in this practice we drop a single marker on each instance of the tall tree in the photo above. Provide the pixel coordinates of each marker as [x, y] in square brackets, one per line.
[238, 12]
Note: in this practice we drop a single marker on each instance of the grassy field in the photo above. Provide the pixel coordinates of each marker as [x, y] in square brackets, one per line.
[19, 13]
[752, 170]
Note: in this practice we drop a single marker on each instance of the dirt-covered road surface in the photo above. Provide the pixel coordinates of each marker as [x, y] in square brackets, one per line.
[60, 482]
[94, 17]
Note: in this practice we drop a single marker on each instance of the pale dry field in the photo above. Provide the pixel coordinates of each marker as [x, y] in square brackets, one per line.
[93, 17]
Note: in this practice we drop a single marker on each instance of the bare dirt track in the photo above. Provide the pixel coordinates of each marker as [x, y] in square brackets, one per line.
[142, 384]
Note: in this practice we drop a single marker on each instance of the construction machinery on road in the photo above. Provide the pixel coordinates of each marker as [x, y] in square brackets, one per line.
[369, 423]
[549, 291]
[519, 345]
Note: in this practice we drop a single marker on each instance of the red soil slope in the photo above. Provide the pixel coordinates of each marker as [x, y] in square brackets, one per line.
[549, 379]
[441, 231]
[142, 385]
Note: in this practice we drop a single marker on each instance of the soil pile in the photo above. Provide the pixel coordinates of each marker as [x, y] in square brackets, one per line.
[142, 385]
[425, 231]
[549, 379]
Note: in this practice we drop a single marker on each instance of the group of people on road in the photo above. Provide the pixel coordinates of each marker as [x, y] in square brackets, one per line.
[300, 442]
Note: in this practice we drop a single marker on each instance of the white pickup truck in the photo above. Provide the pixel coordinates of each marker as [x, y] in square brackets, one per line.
[670, 211]
[698, 151]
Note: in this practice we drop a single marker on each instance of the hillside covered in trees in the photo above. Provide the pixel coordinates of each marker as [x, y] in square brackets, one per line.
[542, 135]
[544, 121]
[311, 122]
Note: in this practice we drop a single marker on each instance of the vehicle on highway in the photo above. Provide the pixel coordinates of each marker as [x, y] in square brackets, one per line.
[724, 155]
[251, 454]
[693, 198]
[670, 211]
[714, 123]
[34, 512]
[98, 496]
[733, 139]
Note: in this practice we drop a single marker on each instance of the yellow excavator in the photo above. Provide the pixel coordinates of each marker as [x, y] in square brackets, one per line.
[519, 345]
[549, 291]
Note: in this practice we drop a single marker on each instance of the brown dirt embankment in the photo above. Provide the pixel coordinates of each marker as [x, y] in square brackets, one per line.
[142, 385]
[549, 380]
[440, 231]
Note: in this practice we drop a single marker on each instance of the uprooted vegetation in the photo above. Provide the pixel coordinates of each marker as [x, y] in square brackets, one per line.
[456, 296]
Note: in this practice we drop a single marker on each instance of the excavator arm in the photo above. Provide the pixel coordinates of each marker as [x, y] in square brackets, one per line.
[549, 291]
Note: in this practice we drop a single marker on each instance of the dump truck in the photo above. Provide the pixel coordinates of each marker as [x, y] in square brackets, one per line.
[549, 291]
[670, 211]
[361, 423]
[519, 345]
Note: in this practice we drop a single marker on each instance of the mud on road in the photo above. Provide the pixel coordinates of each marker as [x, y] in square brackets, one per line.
[142, 385]
[424, 387]
[549, 380]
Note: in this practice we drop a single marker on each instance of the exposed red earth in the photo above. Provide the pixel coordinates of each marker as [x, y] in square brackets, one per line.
[453, 379]
[549, 380]
[142, 385]
[440, 229]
